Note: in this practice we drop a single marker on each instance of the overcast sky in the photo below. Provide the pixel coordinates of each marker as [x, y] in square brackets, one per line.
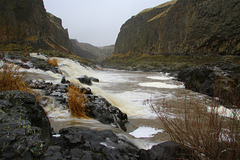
[96, 22]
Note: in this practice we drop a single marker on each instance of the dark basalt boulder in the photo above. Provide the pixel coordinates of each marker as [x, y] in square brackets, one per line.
[84, 143]
[219, 80]
[94, 79]
[165, 151]
[104, 112]
[25, 131]
[85, 80]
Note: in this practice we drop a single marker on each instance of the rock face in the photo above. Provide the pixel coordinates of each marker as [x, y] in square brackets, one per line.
[220, 80]
[183, 26]
[27, 22]
[25, 130]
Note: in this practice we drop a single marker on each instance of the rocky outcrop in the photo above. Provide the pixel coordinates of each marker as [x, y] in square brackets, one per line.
[84, 143]
[29, 62]
[25, 131]
[183, 26]
[26, 22]
[219, 80]
[166, 150]
[98, 107]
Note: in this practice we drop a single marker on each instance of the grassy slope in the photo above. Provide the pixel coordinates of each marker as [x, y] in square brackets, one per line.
[163, 62]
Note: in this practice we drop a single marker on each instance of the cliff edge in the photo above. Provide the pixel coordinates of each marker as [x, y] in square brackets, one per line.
[183, 26]
[26, 22]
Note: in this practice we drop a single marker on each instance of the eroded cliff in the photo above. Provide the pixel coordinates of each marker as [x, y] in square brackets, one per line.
[183, 26]
[26, 22]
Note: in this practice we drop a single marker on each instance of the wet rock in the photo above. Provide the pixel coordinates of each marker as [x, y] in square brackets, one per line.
[31, 62]
[86, 90]
[165, 151]
[64, 81]
[94, 79]
[91, 144]
[25, 129]
[218, 80]
[103, 111]
[85, 80]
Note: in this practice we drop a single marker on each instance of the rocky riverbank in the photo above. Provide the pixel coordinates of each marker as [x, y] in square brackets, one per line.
[26, 132]
[220, 80]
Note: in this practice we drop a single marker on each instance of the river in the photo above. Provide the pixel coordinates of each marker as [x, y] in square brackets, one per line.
[129, 91]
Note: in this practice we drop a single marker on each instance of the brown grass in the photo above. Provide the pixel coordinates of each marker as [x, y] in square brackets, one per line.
[77, 102]
[53, 62]
[208, 134]
[11, 79]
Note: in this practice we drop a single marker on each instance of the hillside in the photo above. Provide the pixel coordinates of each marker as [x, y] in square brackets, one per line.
[89, 51]
[182, 27]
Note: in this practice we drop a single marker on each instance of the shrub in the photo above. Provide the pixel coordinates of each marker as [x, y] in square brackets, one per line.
[208, 134]
[11, 79]
[77, 102]
[53, 62]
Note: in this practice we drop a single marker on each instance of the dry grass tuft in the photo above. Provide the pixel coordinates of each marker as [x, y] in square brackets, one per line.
[77, 102]
[53, 62]
[11, 79]
[208, 134]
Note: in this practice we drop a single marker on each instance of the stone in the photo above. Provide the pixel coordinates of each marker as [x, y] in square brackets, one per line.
[94, 144]
[165, 151]
[85, 80]
[26, 129]
[94, 79]
[217, 79]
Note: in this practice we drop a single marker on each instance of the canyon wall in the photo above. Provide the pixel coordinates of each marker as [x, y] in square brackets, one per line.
[183, 26]
[27, 22]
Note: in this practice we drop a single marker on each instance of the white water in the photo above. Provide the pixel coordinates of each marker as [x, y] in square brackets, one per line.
[126, 90]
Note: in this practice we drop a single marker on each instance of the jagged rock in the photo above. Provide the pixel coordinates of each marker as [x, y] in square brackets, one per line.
[30, 62]
[94, 79]
[98, 108]
[85, 80]
[165, 151]
[25, 129]
[219, 80]
[103, 111]
[90, 144]
[64, 81]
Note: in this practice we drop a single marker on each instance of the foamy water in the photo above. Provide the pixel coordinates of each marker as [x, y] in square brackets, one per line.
[126, 90]
[145, 132]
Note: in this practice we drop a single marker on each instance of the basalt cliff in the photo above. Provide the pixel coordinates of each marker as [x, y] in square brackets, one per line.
[26, 22]
[25, 25]
[183, 26]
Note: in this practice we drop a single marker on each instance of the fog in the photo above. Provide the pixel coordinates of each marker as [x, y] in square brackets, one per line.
[97, 22]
